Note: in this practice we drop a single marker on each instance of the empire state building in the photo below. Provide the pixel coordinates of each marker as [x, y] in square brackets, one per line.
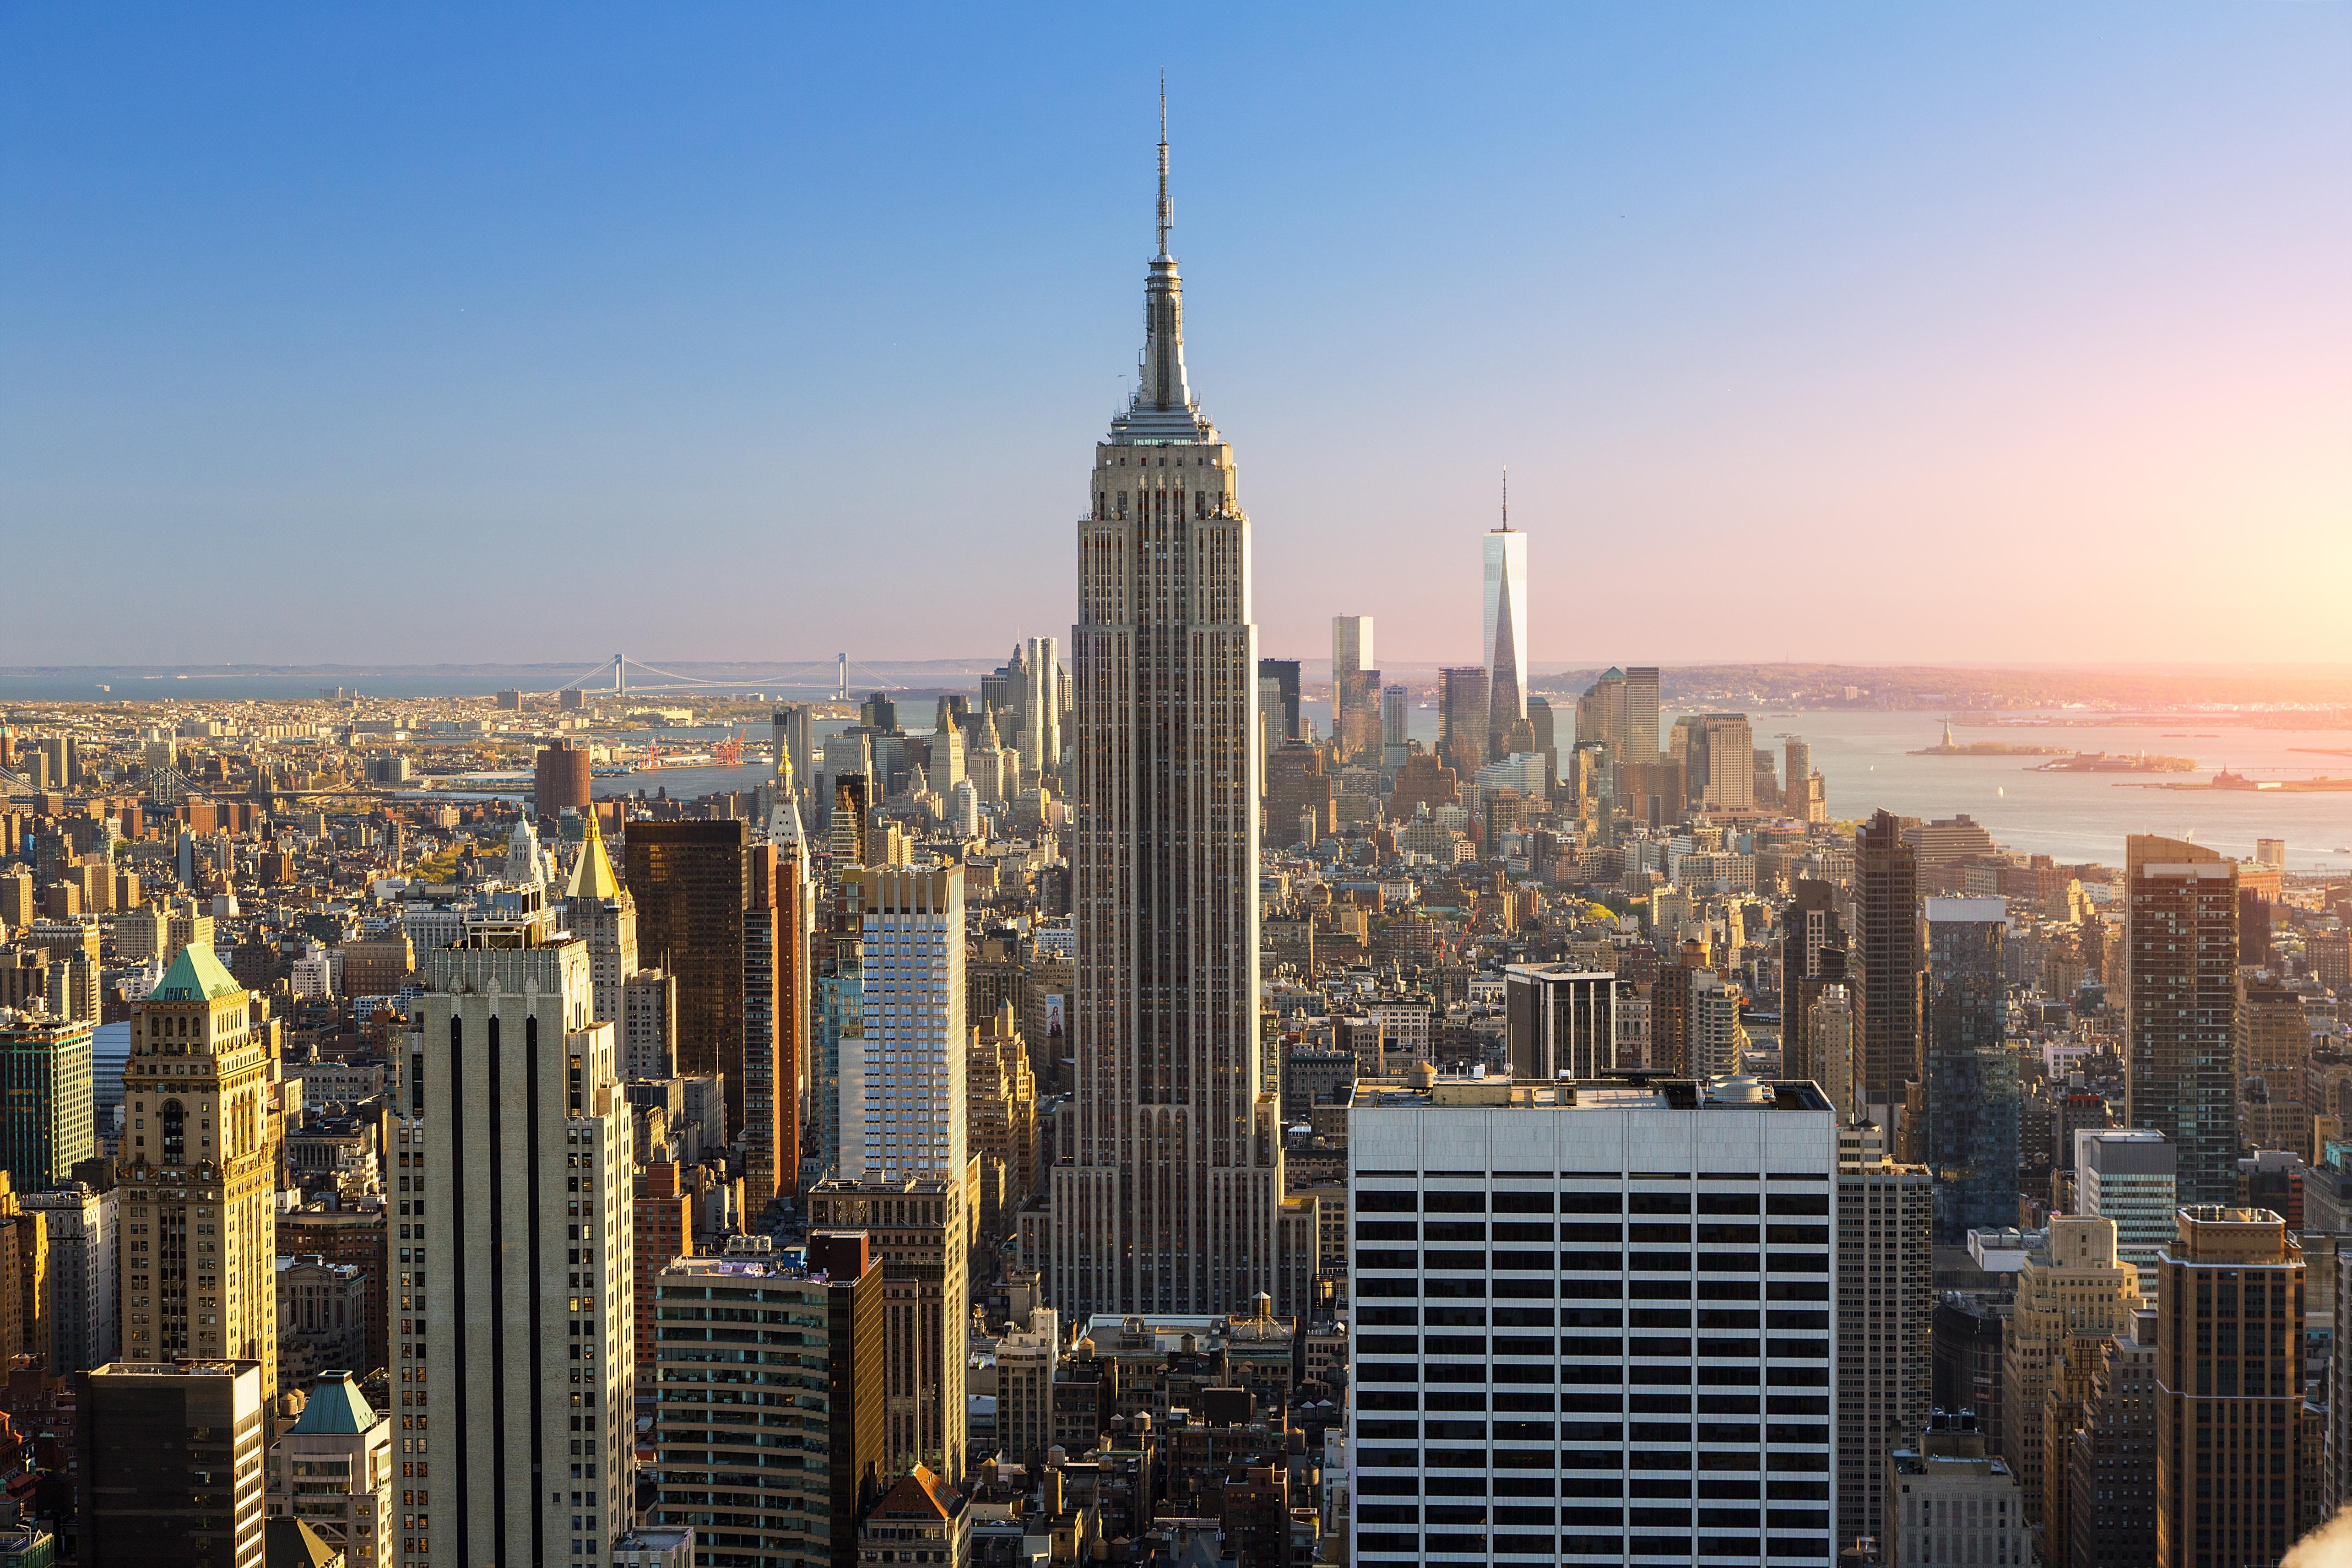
[1170, 1195]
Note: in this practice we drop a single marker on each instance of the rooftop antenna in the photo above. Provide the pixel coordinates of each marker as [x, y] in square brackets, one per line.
[1167, 211]
[1506, 498]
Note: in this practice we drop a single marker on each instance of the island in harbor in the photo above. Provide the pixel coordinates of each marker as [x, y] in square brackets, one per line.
[2118, 762]
[2323, 784]
[1993, 748]
[1951, 748]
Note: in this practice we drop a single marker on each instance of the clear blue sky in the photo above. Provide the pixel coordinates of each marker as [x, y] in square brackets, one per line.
[418, 333]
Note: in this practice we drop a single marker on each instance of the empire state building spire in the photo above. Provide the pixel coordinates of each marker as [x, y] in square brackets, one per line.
[1163, 408]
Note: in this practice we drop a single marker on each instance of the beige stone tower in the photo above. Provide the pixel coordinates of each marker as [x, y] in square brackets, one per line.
[1170, 1200]
[2076, 1285]
[199, 1166]
[520, 1274]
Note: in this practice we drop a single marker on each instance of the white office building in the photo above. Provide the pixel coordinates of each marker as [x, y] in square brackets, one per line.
[964, 809]
[1593, 1321]
[902, 1081]
[2128, 1175]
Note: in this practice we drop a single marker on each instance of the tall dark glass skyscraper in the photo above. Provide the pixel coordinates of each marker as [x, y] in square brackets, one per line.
[1813, 958]
[1884, 960]
[2180, 958]
[1972, 1083]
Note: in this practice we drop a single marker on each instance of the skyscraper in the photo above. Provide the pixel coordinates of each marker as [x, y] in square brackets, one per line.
[81, 1223]
[922, 1232]
[1282, 717]
[2180, 957]
[1591, 1231]
[1559, 1022]
[1886, 1302]
[707, 1454]
[170, 1457]
[1396, 704]
[1727, 763]
[1601, 716]
[2111, 1459]
[1041, 707]
[1950, 1499]
[789, 730]
[1641, 713]
[1505, 644]
[2072, 1286]
[1884, 964]
[1545, 733]
[46, 1128]
[2129, 1175]
[1351, 659]
[692, 883]
[1813, 959]
[1803, 795]
[199, 1175]
[1972, 1083]
[797, 1009]
[1462, 718]
[903, 1086]
[2229, 1388]
[775, 1018]
[1170, 1194]
[560, 780]
[524, 1264]
[601, 914]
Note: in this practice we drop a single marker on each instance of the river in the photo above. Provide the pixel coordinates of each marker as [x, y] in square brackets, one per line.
[1865, 760]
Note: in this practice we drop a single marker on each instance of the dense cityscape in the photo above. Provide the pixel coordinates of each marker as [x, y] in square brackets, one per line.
[1159, 1105]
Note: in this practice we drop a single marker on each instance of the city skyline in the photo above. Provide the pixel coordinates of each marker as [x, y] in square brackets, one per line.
[1141, 1101]
[563, 318]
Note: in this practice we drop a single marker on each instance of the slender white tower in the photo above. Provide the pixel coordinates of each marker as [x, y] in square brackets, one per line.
[1172, 1195]
[1505, 645]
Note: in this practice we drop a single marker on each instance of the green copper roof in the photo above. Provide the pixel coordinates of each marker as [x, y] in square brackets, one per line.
[195, 975]
[336, 1409]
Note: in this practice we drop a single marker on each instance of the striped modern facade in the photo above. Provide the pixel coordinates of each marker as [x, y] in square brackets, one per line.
[1594, 1323]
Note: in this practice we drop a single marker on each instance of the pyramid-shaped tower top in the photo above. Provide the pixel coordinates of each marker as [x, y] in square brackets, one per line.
[336, 1408]
[592, 876]
[195, 975]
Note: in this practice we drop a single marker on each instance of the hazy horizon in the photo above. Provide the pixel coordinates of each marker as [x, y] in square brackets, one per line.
[1996, 338]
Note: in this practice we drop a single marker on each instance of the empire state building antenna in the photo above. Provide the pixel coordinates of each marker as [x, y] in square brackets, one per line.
[1167, 208]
